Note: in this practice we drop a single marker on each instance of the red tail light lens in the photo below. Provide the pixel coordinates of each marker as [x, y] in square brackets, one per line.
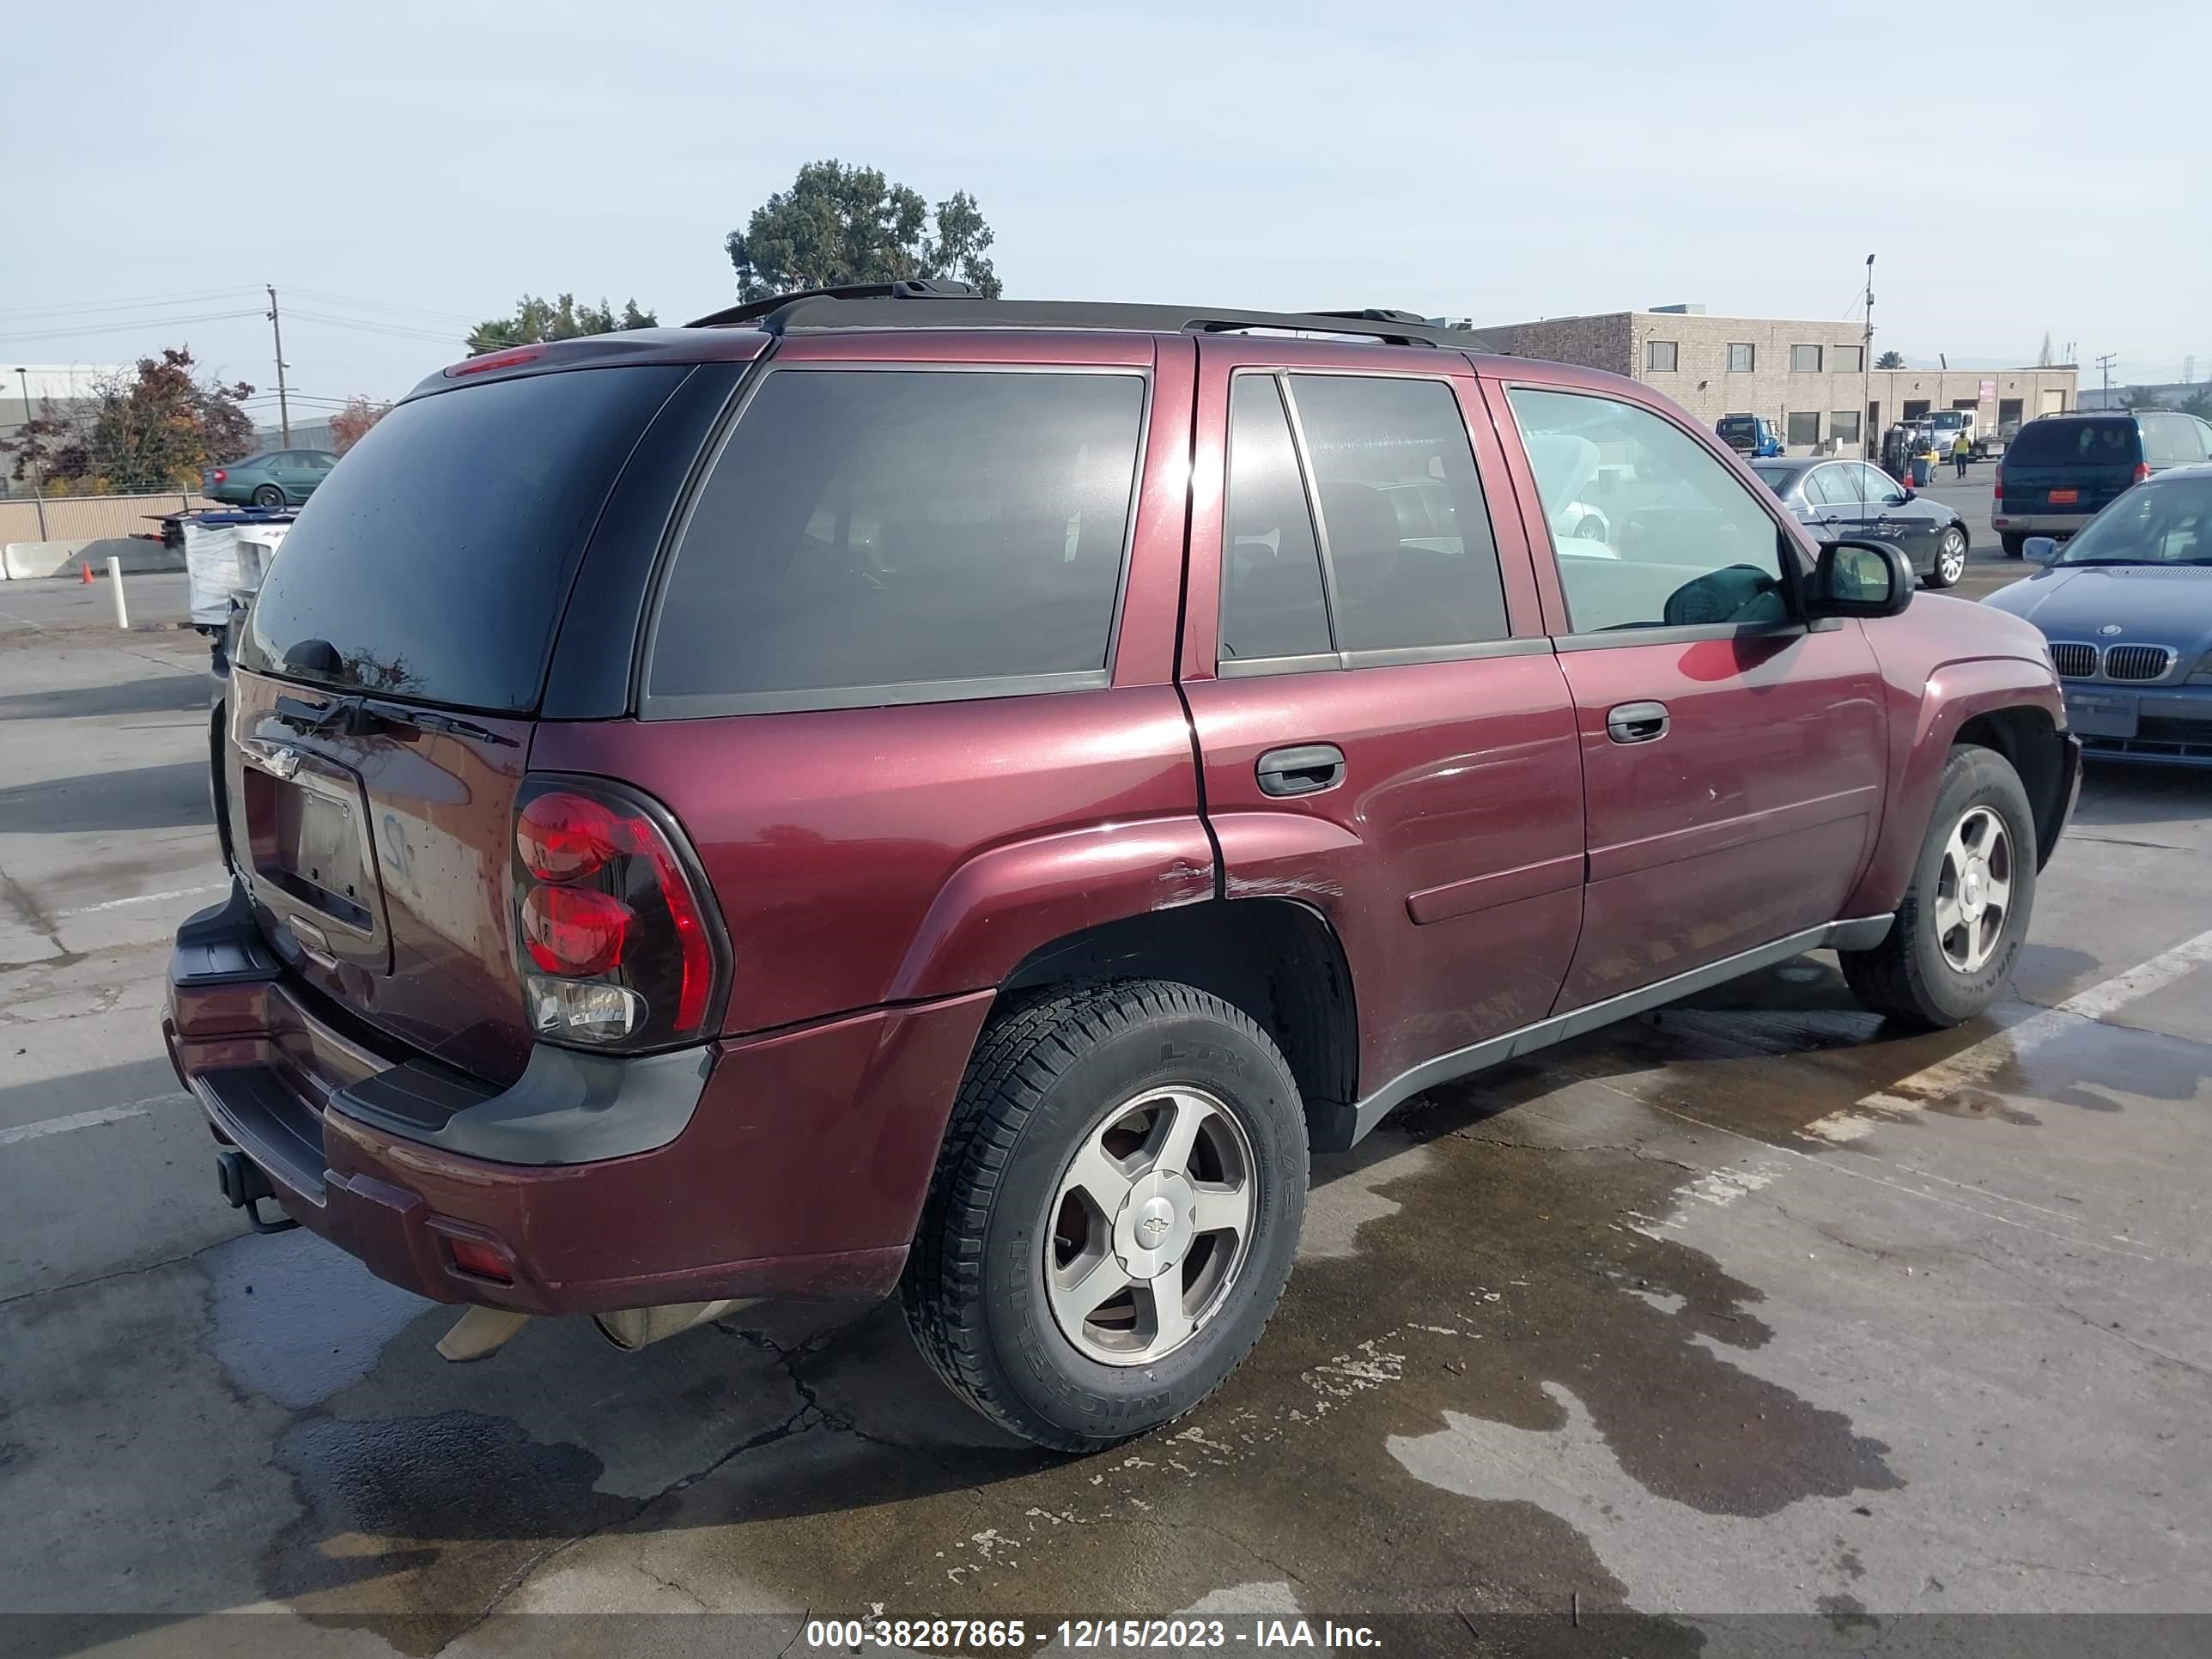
[619, 947]
[564, 836]
[574, 931]
[2142, 471]
[1996, 486]
[221, 476]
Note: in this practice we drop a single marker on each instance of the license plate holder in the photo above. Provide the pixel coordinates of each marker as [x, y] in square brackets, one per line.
[317, 853]
[2101, 717]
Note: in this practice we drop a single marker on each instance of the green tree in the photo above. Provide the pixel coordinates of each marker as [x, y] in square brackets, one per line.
[838, 225]
[1890, 360]
[2198, 403]
[2144, 397]
[560, 318]
[152, 428]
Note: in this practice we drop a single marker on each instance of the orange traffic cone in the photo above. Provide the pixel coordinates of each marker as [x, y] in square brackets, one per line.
[84, 574]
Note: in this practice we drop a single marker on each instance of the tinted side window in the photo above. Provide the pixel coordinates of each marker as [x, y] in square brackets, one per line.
[1688, 542]
[1401, 508]
[875, 536]
[2168, 440]
[1875, 485]
[1831, 486]
[1271, 592]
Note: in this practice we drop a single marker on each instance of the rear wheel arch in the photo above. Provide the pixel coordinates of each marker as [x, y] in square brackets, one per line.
[1275, 960]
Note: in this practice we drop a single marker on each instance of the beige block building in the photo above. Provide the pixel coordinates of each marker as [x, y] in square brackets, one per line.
[1808, 379]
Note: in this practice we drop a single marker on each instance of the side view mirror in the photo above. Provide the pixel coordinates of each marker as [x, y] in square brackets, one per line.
[1861, 579]
[2044, 550]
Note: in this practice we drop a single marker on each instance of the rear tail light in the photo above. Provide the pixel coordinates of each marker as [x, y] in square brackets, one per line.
[615, 941]
[2142, 471]
[1996, 486]
[221, 476]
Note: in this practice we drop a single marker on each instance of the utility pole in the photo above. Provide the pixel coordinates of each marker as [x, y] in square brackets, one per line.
[1866, 370]
[2105, 363]
[38, 477]
[283, 407]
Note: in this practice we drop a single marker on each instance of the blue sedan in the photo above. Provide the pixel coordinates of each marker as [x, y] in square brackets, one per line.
[2127, 607]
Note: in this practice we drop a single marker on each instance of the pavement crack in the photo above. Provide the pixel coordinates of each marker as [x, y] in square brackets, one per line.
[668, 1584]
[2059, 1305]
[105, 1279]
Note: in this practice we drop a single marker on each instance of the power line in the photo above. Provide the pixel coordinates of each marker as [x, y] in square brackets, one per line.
[387, 306]
[102, 306]
[397, 330]
[142, 323]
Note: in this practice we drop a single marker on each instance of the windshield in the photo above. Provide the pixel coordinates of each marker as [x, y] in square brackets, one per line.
[1948, 420]
[434, 561]
[2167, 522]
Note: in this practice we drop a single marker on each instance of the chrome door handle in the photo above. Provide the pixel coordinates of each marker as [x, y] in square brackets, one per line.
[1305, 769]
[1636, 722]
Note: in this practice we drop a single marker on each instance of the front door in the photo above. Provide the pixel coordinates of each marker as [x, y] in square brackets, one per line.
[1384, 731]
[1733, 758]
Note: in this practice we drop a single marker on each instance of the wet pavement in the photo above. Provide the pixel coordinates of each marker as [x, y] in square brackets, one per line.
[1749, 1307]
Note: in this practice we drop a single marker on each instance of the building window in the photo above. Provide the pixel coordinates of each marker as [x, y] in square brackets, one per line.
[1916, 408]
[1843, 426]
[1804, 360]
[1844, 359]
[1742, 357]
[1659, 355]
[2009, 410]
[1966, 402]
[1805, 426]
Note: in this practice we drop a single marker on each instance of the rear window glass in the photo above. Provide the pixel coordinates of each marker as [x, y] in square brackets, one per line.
[880, 536]
[434, 562]
[2080, 443]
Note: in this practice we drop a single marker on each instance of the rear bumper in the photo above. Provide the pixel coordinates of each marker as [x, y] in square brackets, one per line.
[791, 1166]
[2059, 524]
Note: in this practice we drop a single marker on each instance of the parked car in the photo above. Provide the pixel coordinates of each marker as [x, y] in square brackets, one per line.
[1749, 435]
[1838, 500]
[860, 819]
[2061, 471]
[284, 478]
[2127, 607]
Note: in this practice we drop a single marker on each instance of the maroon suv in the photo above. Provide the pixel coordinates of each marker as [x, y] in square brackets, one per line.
[883, 788]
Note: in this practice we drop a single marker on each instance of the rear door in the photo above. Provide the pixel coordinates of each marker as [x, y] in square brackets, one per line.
[2072, 466]
[1733, 758]
[380, 710]
[1385, 734]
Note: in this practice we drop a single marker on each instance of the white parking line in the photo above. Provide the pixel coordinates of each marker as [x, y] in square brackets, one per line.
[143, 898]
[62, 1126]
[1972, 1067]
[1975, 1064]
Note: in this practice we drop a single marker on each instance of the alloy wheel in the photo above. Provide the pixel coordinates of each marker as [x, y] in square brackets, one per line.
[1951, 557]
[1973, 890]
[1151, 1222]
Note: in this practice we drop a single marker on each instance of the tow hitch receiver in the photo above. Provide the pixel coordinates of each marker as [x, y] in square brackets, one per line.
[244, 1187]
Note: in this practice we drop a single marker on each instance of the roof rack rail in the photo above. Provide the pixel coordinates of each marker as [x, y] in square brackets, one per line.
[914, 288]
[958, 304]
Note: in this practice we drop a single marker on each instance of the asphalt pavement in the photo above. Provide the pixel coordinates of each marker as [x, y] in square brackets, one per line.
[1751, 1315]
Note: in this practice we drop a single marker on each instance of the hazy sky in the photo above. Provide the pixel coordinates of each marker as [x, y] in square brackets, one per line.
[2018, 168]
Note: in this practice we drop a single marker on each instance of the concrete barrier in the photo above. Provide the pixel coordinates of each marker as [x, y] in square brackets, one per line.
[27, 561]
